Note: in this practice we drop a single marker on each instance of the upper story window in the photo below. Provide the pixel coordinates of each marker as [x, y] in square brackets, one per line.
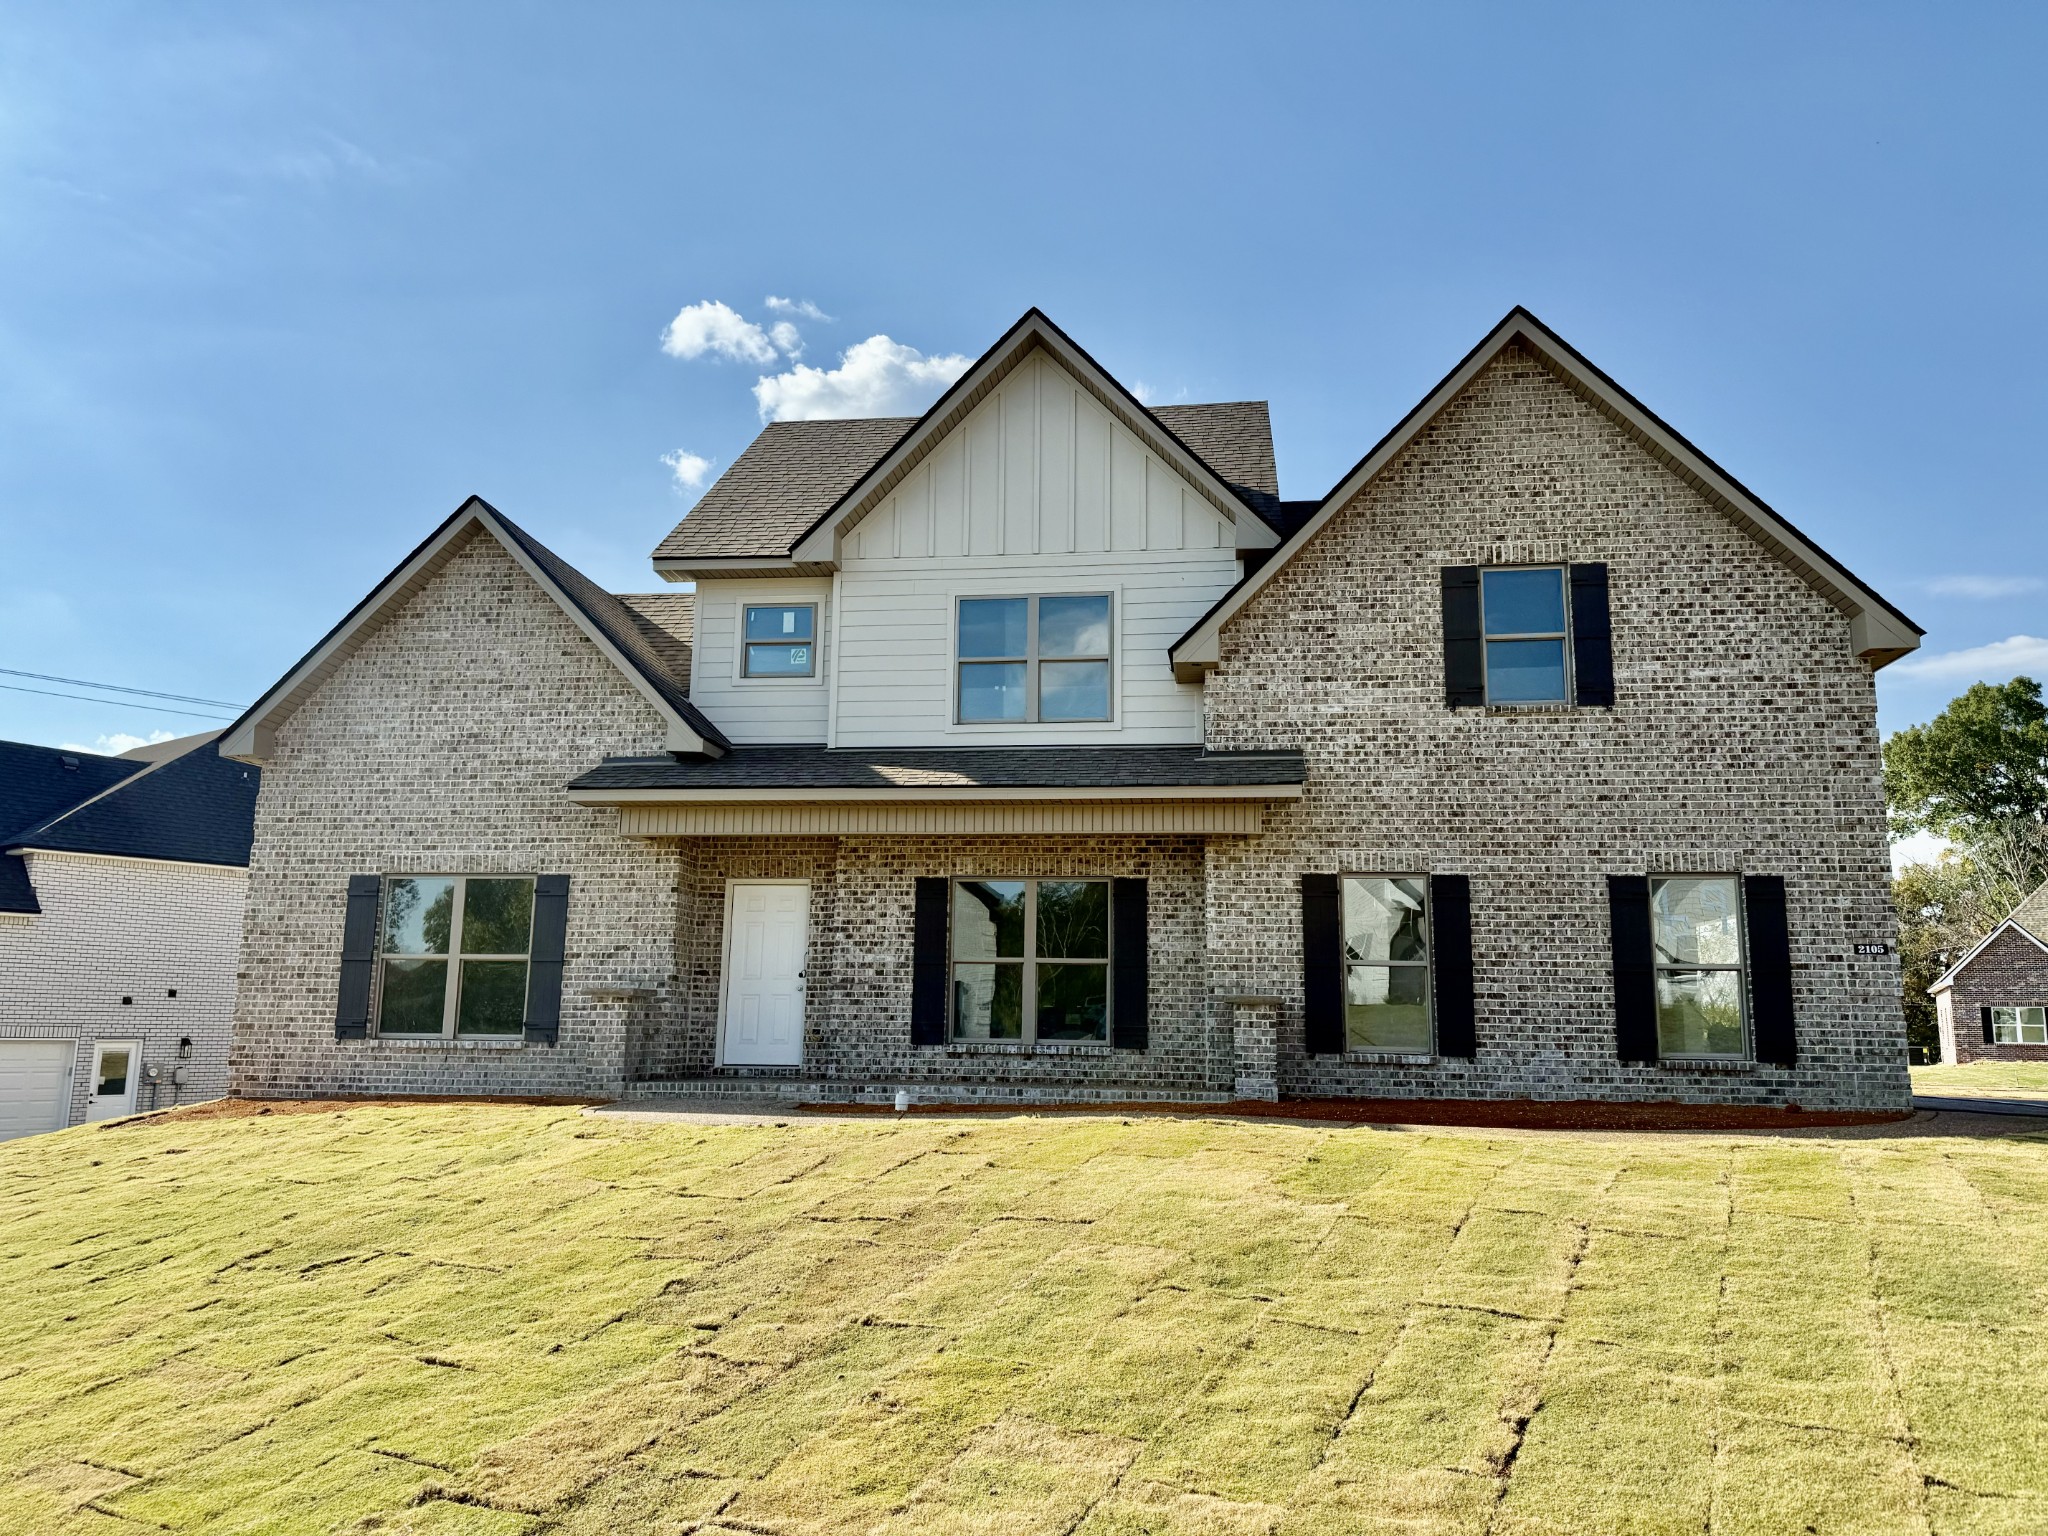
[1522, 615]
[454, 952]
[1033, 659]
[1386, 963]
[780, 640]
[1696, 934]
[1520, 635]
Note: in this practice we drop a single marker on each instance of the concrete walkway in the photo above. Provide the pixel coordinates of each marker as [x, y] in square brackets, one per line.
[1972, 1105]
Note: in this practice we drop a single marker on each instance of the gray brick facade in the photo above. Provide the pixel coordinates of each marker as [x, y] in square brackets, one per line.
[1742, 740]
[2009, 972]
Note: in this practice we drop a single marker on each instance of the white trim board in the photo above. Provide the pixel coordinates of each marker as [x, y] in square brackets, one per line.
[1947, 978]
[1879, 631]
[252, 738]
[1034, 332]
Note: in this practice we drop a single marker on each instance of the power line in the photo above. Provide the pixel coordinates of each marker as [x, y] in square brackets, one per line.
[156, 709]
[147, 693]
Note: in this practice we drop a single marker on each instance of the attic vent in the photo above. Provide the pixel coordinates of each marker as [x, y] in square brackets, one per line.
[68, 762]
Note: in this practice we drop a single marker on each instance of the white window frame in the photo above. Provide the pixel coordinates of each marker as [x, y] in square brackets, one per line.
[1571, 682]
[1030, 961]
[1032, 660]
[1747, 1050]
[451, 994]
[740, 672]
[2014, 1019]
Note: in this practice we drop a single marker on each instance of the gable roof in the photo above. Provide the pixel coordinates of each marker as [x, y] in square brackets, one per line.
[1879, 631]
[622, 635]
[787, 479]
[37, 783]
[2032, 914]
[785, 502]
[196, 808]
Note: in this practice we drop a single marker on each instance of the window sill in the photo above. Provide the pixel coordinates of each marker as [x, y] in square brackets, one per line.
[1027, 1048]
[442, 1043]
[1706, 1064]
[1390, 1058]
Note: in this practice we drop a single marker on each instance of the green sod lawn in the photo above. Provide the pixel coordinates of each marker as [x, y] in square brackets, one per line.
[2022, 1079]
[470, 1319]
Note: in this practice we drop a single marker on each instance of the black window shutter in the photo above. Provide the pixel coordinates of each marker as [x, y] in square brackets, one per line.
[1450, 946]
[1990, 1032]
[544, 970]
[1130, 979]
[358, 957]
[1464, 649]
[1322, 966]
[1592, 637]
[1635, 974]
[1770, 969]
[928, 962]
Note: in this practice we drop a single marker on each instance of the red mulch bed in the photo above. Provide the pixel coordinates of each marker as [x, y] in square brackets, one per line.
[1501, 1114]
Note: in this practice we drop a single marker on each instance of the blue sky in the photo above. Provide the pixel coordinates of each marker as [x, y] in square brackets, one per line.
[279, 286]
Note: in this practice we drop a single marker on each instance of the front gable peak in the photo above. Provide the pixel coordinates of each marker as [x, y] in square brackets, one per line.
[607, 622]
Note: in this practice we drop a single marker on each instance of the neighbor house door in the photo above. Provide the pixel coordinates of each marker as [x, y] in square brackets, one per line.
[766, 924]
[115, 1066]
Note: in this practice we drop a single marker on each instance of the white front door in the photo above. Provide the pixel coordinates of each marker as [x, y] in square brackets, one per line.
[35, 1085]
[766, 923]
[115, 1066]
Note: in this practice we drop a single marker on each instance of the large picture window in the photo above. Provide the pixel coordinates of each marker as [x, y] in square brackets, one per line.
[1030, 960]
[454, 951]
[1522, 616]
[1696, 932]
[2019, 1026]
[1026, 659]
[1386, 964]
[780, 640]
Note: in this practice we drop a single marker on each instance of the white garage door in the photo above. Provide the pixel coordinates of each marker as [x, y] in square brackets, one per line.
[35, 1086]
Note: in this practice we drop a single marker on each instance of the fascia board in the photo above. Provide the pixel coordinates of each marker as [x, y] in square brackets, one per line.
[251, 739]
[1879, 632]
[1947, 978]
[741, 795]
[822, 541]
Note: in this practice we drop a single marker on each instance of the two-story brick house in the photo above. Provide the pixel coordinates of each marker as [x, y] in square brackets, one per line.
[1033, 748]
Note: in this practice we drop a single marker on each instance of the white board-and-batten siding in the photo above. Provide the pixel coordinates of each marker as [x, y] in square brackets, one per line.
[1039, 490]
[759, 709]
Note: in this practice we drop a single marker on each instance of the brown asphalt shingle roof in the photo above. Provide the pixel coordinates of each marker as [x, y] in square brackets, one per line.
[2032, 914]
[668, 622]
[793, 473]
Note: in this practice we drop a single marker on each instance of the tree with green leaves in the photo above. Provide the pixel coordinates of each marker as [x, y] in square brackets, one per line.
[1977, 774]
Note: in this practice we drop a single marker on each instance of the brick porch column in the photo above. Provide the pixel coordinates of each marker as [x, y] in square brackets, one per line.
[1255, 1023]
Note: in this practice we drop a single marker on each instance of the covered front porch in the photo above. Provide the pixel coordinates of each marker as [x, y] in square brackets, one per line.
[999, 926]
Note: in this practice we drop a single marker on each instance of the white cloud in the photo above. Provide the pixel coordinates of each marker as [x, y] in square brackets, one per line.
[1984, 587]
[690, 469]
[119, 742]
[803, 307]
[715, 327]
[787, 337]
[1152, 394]
[1995, 663]
[876, 377]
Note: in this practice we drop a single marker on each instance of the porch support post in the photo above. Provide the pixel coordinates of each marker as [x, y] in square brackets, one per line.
[1255, 1023]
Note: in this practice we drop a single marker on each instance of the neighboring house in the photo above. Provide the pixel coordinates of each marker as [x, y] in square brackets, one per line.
[121, 888]
[1993, 1003]
[1034, 749]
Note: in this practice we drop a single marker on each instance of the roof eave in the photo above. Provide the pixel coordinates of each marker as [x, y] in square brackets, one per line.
[821, 542]
[1880, 633]
[893, 794]
[252, 738]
